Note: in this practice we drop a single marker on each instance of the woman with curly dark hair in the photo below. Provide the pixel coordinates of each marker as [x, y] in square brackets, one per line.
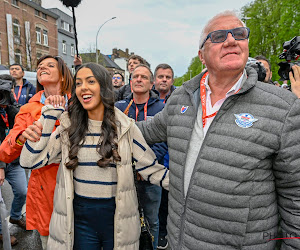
[95, 202]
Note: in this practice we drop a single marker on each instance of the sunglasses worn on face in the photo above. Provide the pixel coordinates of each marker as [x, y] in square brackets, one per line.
[219, 36]
[116, 77]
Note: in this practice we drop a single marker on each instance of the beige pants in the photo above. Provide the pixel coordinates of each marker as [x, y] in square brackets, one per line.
[44, 240]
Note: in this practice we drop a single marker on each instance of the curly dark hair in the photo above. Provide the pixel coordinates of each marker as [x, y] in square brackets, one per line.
[107, 145]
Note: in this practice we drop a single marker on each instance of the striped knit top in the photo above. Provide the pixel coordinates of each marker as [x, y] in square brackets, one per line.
[90, 180]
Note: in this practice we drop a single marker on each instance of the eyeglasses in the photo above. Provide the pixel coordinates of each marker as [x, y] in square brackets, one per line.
[116, 77]
[219, 36]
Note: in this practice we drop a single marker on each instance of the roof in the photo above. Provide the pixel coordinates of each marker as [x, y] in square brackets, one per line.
[40, 8]
[109, 63]
[103, 60]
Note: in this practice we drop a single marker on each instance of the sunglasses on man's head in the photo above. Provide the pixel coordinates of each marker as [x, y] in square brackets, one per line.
[116, 77]
[219, 36]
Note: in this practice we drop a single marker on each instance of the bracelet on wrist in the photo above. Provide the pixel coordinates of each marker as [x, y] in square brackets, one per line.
[19, 142]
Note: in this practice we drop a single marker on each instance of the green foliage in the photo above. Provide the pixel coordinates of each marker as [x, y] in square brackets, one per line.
[271, 23]
[194, 69]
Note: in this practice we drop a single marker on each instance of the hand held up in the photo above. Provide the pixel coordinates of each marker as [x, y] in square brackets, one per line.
[56, 101]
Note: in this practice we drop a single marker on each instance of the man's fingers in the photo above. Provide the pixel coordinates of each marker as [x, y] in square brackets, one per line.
[292, 79]
[296, 70]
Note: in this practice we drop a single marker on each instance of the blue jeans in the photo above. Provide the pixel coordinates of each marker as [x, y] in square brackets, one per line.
[93, 223]
[150, 196]
[15, 175]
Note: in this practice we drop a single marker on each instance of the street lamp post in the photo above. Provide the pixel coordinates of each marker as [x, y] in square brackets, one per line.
[97, 36]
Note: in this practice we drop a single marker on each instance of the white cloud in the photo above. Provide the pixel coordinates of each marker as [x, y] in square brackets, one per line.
[160, 31]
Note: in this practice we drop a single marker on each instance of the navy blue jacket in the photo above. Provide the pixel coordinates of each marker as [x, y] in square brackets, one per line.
[28, 91]
[154, 106]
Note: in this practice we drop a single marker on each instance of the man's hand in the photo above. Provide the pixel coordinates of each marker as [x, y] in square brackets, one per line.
[77, 60]
[295, 80]
[2, 176]
[32, 132]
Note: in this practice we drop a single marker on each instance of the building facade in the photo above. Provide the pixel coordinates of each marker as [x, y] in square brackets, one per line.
[27, 32]
[66, 38]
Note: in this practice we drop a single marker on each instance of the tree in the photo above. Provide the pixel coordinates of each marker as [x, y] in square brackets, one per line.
[89, 55]
[194, 68]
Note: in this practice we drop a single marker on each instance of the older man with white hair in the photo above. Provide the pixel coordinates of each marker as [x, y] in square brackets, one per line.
[234, 146]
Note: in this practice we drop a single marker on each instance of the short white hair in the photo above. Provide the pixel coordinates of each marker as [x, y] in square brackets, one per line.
[225, 13]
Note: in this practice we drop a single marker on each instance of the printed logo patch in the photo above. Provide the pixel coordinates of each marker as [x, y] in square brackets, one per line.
[244, 120]
[183, 109]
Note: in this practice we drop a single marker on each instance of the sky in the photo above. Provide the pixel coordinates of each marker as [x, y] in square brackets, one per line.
[165, 31]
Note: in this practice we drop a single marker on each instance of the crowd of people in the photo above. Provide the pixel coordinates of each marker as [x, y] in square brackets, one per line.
[218, 159]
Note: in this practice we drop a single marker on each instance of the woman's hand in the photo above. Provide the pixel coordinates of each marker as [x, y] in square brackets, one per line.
[32, 132]
[56, 101]
[295, 80]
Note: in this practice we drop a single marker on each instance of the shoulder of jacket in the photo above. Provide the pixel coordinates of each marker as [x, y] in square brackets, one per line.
[30, 106]
[123, 119]
[276, 94]
[121, 102]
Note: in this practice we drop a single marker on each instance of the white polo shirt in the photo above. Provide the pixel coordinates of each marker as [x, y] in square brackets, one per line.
[211, 109]
[199, 132]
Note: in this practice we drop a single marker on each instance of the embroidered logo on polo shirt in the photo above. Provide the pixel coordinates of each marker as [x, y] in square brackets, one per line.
[183, 109]
[244, 120]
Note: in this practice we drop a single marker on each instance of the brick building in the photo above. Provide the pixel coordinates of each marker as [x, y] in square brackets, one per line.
[118, 53]
[27, 32]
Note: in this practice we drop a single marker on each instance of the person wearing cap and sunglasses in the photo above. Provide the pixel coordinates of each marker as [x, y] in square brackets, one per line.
[234, 147]
[117, 80]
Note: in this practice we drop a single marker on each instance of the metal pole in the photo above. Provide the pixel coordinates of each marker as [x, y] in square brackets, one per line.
[97, 37]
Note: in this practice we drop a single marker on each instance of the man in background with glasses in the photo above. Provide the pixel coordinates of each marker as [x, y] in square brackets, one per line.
[117, 80]
[234, 147]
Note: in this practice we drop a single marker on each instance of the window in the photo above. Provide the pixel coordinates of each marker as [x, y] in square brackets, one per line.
[72, 50]
[62, 24]
[18, 58]
[37, 13]
[45, 37]
[38, 35]
[64, 47]
[16, 28]
[73, 70]
[38, 55]
[70, 28]
[16, 31]
[66, 26]
[44, 16]
[15, 2]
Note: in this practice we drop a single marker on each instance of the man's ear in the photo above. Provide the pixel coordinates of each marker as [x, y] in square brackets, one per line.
[200, 55]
